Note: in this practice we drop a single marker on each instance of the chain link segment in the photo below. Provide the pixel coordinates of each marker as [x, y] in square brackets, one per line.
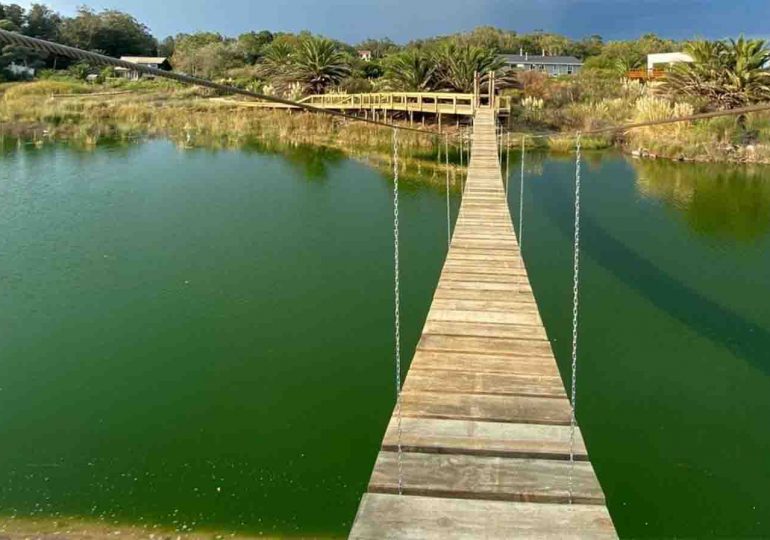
[448, 208]
[397, 307]
[521, 194]
[575, 284]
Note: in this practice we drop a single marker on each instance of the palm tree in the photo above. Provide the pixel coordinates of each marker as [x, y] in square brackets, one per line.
[726, 74]
[626, 64]
[748, 75]
[457, 64]
[318, 63]
[275, 61]
[412, 70]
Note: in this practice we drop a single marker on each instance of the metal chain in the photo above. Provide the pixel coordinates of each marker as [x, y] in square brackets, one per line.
[521, 194]
[397, 306]
[507, 164]
[575, 283]
[462, 151]
[500, 144]
[448, 210]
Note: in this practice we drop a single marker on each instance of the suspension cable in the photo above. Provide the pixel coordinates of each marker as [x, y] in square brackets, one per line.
[448, 210]
[521, 195]
[500, 144]
[575, 283]
[461, 149]
[397, 307]
[507, 164]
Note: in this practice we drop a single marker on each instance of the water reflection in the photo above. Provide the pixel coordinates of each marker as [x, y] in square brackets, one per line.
[728, 202]
[312, 161]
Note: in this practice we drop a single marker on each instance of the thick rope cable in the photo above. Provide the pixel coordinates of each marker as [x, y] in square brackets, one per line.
[397, 307]
[521, 195]
[575, 288]
[448, 208]
[13, 38]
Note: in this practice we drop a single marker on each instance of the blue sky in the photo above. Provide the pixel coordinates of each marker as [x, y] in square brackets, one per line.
[401, 20]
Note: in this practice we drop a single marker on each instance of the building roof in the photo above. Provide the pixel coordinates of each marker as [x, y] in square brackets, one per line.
[540, 59]
[145, 59]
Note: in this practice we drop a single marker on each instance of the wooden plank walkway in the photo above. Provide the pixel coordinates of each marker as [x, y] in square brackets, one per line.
[446, 103]
[485, 418]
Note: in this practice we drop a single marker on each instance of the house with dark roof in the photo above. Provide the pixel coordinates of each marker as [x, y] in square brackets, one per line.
[552, 65]
[157, 62]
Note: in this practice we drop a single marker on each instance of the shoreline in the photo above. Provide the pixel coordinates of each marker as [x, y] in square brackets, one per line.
[196, 118]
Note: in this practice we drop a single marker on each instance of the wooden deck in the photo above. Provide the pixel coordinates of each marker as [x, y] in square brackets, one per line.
[485, 418]
[446, 103]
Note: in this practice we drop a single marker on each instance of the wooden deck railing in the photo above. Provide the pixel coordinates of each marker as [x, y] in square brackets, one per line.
[645, 75]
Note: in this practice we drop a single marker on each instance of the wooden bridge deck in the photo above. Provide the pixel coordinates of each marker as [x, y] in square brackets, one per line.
[485, 418]
[446, 103]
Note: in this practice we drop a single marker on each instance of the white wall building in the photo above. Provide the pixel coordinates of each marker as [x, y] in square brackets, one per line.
[658, 59]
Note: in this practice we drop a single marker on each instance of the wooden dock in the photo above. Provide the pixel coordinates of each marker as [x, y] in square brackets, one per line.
[485, 417]
[437, 103]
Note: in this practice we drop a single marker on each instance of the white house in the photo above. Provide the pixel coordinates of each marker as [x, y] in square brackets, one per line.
[21, 71]
[552, 65]
[157, 62]
[667, 59]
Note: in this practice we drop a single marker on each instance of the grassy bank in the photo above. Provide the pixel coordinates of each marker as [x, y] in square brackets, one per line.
[86, 115]
[119, 110]
[725, 139]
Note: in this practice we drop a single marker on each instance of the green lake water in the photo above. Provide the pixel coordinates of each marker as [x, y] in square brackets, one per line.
[203, 339]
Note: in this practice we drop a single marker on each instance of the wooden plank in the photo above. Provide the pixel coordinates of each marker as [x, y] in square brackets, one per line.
[490, 478]
[466, 274]
[487, 306]
[438, 436]
[484, 363]
[386, 516]
[511, 409]
[523, 295]
[471, 382]
[507, 316]
[482, 329]
[484, 286]
[496, 346]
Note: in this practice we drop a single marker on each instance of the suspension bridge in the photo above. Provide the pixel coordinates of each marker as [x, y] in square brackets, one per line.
[483, 441]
